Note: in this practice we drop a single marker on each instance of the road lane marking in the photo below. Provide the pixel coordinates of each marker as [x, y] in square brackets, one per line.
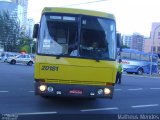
[155, 88]
[117, 89]
[36, 113]
[31, 91]
[151, 105]
[136, 89]
[99, 109]
[3, 91]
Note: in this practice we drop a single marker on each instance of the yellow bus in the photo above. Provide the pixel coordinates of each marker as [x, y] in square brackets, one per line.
[76, 53]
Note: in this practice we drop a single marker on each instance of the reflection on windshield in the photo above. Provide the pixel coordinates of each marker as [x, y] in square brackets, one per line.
[61, 36]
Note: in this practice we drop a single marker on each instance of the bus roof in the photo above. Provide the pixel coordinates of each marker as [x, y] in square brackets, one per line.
[77, 11]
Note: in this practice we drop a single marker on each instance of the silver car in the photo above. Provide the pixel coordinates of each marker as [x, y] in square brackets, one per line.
[22, 58]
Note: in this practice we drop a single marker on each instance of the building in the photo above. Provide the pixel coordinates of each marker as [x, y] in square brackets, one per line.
[17, 10]
[135, 41]
[153, 43]
[12, 9]
[127, 40]
[29, 27]
[24, 5]
[147, 44]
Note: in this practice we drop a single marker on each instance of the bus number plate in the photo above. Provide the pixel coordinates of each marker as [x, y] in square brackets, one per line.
[75, 91]
[50, 68]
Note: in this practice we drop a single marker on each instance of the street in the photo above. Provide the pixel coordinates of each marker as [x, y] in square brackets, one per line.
[136, 94]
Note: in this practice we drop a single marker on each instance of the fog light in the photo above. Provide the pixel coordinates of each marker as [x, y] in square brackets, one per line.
[59, 92]
[100, 91]
[92, 93]
[50, 89]
[107, 91]
[42, 88]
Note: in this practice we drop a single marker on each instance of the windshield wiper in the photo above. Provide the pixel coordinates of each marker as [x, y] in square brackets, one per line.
[60, 55]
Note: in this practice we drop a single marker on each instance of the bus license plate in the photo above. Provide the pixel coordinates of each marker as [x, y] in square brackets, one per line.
[75, 91]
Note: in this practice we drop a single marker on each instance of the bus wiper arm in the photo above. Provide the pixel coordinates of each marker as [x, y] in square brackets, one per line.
[60, 55]
[97, 60]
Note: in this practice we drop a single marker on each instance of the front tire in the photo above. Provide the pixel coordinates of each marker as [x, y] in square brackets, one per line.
[30, 63]
[13, 62]
[140, 71]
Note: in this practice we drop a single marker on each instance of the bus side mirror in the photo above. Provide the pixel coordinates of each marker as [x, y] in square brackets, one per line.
[35, 30]
[119, 44]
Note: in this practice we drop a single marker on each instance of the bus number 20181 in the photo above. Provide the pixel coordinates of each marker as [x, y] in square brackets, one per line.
[51, 68]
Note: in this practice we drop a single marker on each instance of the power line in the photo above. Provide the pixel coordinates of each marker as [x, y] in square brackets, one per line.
[85, 3]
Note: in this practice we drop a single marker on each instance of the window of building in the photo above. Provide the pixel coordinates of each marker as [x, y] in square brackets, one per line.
[158, 48]
[153, 48]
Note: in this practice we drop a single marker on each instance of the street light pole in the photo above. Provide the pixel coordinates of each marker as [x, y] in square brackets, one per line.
[31, 45]
[152, 49]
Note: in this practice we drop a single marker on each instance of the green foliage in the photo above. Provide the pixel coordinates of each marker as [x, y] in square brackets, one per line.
[25, 48]
[25, 44]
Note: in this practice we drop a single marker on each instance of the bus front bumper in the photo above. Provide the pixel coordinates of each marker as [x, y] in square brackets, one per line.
[68, 90]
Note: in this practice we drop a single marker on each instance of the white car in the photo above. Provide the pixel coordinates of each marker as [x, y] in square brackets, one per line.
[22, 58]
[6, 55]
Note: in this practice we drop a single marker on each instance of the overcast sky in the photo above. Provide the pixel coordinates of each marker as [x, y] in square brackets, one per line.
[131, 15]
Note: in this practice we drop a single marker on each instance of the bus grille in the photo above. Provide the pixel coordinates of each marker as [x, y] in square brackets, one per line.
[75, 82]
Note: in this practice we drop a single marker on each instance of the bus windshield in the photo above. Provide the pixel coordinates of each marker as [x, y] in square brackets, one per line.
[77, 36]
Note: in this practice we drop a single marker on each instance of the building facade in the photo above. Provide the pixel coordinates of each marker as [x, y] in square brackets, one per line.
[135, 41]
[29, 27]
[23, 14]
[152, 44]
[127, 40]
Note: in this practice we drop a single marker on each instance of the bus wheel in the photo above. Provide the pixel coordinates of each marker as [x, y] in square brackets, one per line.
[140, 71]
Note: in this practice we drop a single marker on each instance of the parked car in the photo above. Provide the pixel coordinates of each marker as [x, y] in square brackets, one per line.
[22, 58]
[0, 55]
[5, 55]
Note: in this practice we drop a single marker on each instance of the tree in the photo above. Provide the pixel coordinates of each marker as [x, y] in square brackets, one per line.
[25, 44]
[11, 37]
[9, 31]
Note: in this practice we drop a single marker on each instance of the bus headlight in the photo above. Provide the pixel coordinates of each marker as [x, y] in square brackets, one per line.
[42, 88]
[107, 91]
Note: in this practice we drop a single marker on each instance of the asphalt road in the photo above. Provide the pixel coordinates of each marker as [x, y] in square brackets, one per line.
[136, 94]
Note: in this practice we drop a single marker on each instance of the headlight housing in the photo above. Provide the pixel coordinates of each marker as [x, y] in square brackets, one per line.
[42, 88]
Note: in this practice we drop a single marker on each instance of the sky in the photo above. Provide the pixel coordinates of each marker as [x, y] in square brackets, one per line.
[132, 16]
